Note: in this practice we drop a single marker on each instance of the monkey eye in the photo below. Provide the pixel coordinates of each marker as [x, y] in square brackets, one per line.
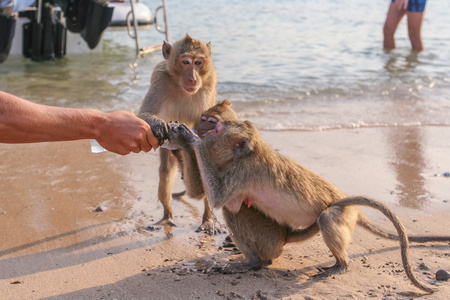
[241, 147]
[186, 61]
[198, 62]
[204, 118]
[212, 120]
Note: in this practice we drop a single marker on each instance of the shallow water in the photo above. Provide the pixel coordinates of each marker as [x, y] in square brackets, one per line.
[295, 65]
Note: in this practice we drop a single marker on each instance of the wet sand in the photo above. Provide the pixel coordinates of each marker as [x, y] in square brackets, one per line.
[57, 244]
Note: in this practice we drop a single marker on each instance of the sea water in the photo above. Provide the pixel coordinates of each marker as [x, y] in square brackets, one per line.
[285, 65]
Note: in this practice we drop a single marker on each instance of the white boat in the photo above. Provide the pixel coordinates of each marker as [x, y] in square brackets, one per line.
[122, 14]
[43, 32]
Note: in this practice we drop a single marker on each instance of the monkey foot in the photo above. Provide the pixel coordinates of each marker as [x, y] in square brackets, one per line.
[330, 271]
[228, 243]
[241, 267]
[210, 227]
[166, 221]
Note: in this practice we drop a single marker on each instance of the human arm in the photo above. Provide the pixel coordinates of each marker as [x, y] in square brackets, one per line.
[121, 132]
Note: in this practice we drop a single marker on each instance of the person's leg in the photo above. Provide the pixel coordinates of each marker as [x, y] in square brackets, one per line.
[393, 18]
[414, 25]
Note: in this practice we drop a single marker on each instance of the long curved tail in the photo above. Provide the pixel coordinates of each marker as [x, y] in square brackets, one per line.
[300, 235]
[402, 237]
[372, 227]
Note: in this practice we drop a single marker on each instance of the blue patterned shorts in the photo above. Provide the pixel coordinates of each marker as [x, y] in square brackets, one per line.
[415, 5]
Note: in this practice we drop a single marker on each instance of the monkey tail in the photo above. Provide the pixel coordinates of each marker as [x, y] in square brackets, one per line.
[300, 235]
[372, 227]
[404, 244]
[369, 225]
[431, 238]
[178, 195]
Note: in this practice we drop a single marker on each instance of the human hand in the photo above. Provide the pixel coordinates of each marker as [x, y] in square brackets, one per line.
[122, 132]
[401, 4]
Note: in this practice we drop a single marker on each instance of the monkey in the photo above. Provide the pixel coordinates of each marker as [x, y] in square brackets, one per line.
[181, 87]
[268, 236]
[236, 166]
[248, 224]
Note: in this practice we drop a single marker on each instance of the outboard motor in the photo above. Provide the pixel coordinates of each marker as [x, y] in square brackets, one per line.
[76, 13]
[99, 16]
[7, 28]
[88, 17]
[44, 38]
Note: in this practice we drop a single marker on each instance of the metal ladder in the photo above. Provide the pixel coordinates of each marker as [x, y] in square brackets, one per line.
[134, 34]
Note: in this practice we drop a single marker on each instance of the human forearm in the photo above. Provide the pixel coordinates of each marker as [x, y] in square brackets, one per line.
[121, 132]
[22, 121]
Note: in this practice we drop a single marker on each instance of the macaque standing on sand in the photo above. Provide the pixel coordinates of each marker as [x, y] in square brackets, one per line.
[181, 88]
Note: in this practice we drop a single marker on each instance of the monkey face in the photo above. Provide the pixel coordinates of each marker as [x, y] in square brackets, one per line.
[231, 139]
[191, 67]
[206, 123]
[189, 62]
[222, 111]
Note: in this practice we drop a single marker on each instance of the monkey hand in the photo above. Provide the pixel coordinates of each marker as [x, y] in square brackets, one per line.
[159, 129]
[181, 136]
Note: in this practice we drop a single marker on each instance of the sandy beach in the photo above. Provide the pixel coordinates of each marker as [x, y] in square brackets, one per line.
[77, 225]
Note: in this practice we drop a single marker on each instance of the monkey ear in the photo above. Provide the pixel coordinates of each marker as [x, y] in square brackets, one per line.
[166, 49]
[187, 38]
[243, 148]
[209, 47]
[226, 103]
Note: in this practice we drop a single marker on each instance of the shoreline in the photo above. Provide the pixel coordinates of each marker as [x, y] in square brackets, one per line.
[55, 245]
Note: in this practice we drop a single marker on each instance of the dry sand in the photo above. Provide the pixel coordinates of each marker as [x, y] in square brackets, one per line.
[55, 245]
